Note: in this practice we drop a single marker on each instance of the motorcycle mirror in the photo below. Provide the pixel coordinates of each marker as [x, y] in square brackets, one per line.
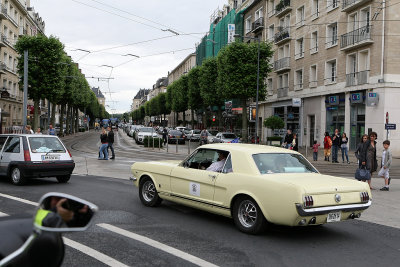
[58, 212]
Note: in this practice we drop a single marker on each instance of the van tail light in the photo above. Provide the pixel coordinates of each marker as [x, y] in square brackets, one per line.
[69, 152]
[308, 201]
[27, 156]
[364, 196]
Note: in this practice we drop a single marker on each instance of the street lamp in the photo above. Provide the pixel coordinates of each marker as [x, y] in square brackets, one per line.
[258, 76]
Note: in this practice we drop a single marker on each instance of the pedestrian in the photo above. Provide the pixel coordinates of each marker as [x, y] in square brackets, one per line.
[38, 131]
[364, 139]
[335, 146]
[327, 146]
[96, 126]
[164, 135]
[295, 144]
[110, 140]
[204, 137]
[367, 155]
[315, 150]
[288, 139]
[103, 153]
[386, 162]
[28, 129]
[51, 130]
[344, 147]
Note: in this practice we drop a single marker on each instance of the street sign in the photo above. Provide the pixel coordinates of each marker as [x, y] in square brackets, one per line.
[231, 33]
[387, 117]
[390, 126]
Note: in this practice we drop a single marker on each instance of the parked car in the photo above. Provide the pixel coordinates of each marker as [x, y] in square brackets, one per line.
[143, 132]
[181, 128]
[281, 187]
[175, 136]
[224, 137]
[26, 156]
[193, 135]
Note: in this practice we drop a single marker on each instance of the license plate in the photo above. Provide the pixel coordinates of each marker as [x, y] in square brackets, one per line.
[334, 217]
[50, 157]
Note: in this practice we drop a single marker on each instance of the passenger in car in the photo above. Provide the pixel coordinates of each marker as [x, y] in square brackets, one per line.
[218, 165]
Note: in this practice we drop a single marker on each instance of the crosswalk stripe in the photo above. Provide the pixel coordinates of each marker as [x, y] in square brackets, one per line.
[176, 252]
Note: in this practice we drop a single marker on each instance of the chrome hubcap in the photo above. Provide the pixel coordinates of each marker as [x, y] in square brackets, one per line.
[16, 175]
[149, 191]
[247, 213]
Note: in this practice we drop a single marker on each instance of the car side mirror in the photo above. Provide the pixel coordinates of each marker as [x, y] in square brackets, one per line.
[58, 212]
[185, 164]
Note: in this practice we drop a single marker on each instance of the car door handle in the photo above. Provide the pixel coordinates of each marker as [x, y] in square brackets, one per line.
[212, 176]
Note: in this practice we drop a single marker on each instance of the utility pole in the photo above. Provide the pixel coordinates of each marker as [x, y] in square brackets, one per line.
[25, 88]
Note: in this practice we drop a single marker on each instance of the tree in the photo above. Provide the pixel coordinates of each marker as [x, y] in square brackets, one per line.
[274, 122]
[44, 70]
[194, 94]
[237, 73]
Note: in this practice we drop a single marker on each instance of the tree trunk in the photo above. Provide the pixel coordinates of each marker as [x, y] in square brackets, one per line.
[192, 111]
[53, 114]
[62, 120]
[176, 120]
[205, 118]
[219, 112]
[68, 123]
[184, 119]
[72, 120]
[244, 121]
[36, 117]
[76, 120]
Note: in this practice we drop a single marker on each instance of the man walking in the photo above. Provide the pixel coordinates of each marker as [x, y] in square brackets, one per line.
[164, 135]
[335, 145]
[110, 139]
[288, 139]
[51, 130]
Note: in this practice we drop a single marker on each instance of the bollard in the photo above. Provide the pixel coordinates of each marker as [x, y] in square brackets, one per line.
[167, 143]
[176, 145]
[159, 143]
[153, 142]
[189, 147]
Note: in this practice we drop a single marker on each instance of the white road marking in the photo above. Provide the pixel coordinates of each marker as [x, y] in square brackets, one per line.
[93, 253]
[3, 214]
[176, 252]
[82, 248]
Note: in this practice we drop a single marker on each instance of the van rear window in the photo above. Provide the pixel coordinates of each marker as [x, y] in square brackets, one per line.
[45, 145]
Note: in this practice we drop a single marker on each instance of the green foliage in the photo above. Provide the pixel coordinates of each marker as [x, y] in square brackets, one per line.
[148, 141]
[274, 122]
[180, 94]
[194, 94]
[208, 77]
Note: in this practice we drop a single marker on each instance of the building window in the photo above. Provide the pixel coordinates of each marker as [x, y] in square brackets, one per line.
[270, 86]
[271, 32]
[247, 25]
[271, 8]
[314, 9]
[332, 4]
[258, 14]
[298, 80]
[330, 73]
[314, 42]
[331, 35]
[300, 17]
[299, 48]
[313, 76]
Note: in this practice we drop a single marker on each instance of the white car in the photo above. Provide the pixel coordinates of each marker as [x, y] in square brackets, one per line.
[193, 135]
[224, 137]
[26, 156]
[143, 132]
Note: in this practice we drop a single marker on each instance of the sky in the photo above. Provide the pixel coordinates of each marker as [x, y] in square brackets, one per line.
[122, 27]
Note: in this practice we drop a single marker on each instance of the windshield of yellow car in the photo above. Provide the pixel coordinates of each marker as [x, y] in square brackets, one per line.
[269, 163]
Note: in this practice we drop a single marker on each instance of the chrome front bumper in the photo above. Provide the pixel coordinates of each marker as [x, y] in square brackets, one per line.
[325, 210]
[133, 179]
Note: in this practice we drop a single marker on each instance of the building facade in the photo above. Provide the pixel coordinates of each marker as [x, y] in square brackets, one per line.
[140, 98]
[99, 95]
[335, 67]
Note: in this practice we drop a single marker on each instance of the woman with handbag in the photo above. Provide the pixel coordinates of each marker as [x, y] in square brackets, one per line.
[367, 156]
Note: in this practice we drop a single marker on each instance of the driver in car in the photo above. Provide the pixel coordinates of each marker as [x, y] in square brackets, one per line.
[218, 165]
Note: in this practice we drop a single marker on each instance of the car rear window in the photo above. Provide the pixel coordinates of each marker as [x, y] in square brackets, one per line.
[269, 163]
[229, 135]
[196, 131]
[45, 145]
[175, 132]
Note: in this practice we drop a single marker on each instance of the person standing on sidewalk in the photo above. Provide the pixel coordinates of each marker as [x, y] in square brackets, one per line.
[315, 150]
[368, 155]
[288, 139]
[327, 146]
[344, 147]
[386, 162]
[51, 130]
[295, 144]
[110, 139]
[164, 135]
[103, 153]
[335, 146]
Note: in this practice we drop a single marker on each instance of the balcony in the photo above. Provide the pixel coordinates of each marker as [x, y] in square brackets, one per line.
[271, 13]
[298, 87]
[13, 21]
[3, 68]
[349, 5]
[282, 8]
[282, 64]
[357, 78]
[356, 38]
[22, 31]
[282, 36]
[3, 12]
[257, 25]
[313, 50]
[283, 92]
[313, 84]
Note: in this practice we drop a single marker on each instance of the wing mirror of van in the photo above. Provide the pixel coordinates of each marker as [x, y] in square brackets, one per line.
[58, 212]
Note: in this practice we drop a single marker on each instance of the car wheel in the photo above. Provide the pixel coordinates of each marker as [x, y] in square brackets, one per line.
[248, 216]
[17, 177]
[148, 193]
[63, 179]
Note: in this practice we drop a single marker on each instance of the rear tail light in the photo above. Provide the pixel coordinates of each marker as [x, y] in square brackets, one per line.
[364, 196]
[308, 201]
[27, 155]
[69, 152]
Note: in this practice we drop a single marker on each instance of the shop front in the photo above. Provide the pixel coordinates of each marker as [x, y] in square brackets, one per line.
[335, 113]
[357, 118]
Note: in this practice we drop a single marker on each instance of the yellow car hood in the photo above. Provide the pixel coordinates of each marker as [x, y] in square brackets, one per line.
[315, 183]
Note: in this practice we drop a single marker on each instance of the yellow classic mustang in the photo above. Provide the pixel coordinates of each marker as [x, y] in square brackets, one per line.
[253, 184]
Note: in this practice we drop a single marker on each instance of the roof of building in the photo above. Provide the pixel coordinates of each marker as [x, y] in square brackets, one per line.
[97, 92]
[142, 93]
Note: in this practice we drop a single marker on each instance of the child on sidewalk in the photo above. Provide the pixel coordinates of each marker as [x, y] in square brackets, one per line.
[315, 150]
[386, 161]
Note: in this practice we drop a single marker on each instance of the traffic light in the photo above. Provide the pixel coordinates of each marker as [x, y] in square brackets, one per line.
[214, 118]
